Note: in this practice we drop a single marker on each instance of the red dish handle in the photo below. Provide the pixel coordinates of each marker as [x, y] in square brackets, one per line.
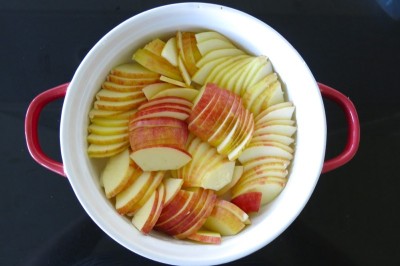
[353, 131]
[31, 127]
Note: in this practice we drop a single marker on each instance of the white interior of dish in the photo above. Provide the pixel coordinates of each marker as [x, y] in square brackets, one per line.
[255, 37]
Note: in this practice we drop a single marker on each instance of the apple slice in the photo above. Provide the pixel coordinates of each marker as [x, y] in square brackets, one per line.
[166, 158]
[270, 96]
[249, 202]
[284, 113]
[108, 95]
[207, 35]
[206, 237]
[133, 70]
[261, 151]
[131, 81]
[237, 173]
[204, 71]
[184, 93]
[213, 44]
[156, 122]
[184, 72]
[101, 121]
[157, 64]
[167, 99]
[224, 222]
[273, 137]
[244, 139]
[263, 69]
[119, 106]
[104, 140]
[221, 67]
[173, 81]
[285, 130]
[172, 186]
[158, 177]
[203, 99]
[188, 51]
[154, 88]
[253, 92]
[216, 54]
[261, 172]
[170, 51]
[219, 176]
[121, 88]
[197, 217]
[234, 209]
[155, 46]
[265, 160]
[132, 194]
[269, 187]
[107, 131]
[176, 210]
[228, 77]
[116, 173]
[160, 111]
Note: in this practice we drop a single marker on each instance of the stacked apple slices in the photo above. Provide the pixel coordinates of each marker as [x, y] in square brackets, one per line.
[266, 158]
[158, 134]
[219, 117]
[115, 102]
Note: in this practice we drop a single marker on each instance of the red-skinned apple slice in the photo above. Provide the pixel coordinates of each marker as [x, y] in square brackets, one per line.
[249, 202]
[261, 151]
[143, 217]
[234, 209]
[172, 186]
[167, 99]
[162, 112]
[265, 160]
[285, 130]
[167, 158]
[284, 113]
[206, 237]
[273, 137]
[156, 122]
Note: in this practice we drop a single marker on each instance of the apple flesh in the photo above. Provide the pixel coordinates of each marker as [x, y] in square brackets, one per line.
[249, 202]
[133, 70]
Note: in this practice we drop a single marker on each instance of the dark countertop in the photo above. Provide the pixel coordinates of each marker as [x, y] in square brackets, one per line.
[352, 217]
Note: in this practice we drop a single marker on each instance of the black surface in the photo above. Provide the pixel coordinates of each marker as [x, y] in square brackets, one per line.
[353, 215]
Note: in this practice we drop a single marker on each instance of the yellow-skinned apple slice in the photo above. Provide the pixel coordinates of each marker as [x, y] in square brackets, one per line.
[167, 158]
[110, 139]
[188, 51]
[119, 106]
[264, 69]
[224, 222]
[157, 180]
[170, 51]
[108, 95]
[172, 81]
[206, 237]
[97, 113]
[237, 173]
[106, 130]
[276, 112]
[265, 171]
[212, 55]
[196, 148]
[262, 151]
[106, 150]
[253, 92]
[132, 194]
[152, 89]
[110, 122]
[270, 96]
[167, 99]
[204, 71]
[221, 67]
[133, 70]
[249, 202]
[230, 75]
[207, 35]
[155, 46]
[121, 88]
[213, 44]
[161, 201]
[131, 81]
[184, 93]
[247, 72]
[116, 173]
[157, 64]
[245, 137]
[172, 186]
[184, 72]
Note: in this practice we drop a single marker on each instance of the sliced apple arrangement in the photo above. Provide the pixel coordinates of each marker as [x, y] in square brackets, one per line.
[198, 136]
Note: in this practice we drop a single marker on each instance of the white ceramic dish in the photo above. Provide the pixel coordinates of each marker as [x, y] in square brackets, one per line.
[255, 37]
